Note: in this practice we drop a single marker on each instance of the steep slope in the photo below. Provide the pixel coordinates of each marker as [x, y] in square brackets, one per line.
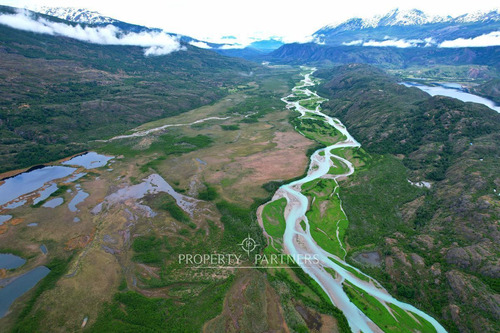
[57, 93]
[88, 17]
[490, 89]
[385, 56]
[438, 247]
[393, 17]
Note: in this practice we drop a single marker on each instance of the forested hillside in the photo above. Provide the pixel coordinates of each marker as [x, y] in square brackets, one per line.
[58, 94]
[437, 244]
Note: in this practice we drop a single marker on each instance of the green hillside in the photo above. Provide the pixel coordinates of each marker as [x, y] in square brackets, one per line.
[438, 244]
[58, 94]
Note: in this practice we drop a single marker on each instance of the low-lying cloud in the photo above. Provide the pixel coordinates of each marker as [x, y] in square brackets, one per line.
[491, 39]
[401, 43]
[353, 43]
[391, 42]
[231, 46]
[155, 43]
[201, 45]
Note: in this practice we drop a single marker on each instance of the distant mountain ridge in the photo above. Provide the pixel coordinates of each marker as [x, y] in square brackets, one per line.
[65, 92]
[409, 25]
[389, 57]
[85, 16]
[398, 17]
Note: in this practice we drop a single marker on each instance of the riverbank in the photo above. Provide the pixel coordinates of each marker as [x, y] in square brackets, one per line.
[299, 240]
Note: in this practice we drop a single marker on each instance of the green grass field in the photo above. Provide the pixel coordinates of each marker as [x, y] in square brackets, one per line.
[352, 270]
[274, 220]
[338, 168]
[311, 103]
[317, 130]
[325, 215]
[398, 321]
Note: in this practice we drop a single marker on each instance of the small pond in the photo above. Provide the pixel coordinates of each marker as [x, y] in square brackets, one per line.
[10, 261]
[89, 160]
[19, 286]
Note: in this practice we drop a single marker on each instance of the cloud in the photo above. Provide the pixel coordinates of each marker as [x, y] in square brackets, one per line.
[201, 45]
[429, 42]
[318, 41]
[401, 43]
[391, 42]
[301, 39]
[155, 43]
[491, 39]
[231, 46]
[353, 43]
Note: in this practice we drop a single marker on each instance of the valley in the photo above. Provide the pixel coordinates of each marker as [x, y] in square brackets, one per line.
[155, 182]
[298, 238]
[379, 200]
[226, 169]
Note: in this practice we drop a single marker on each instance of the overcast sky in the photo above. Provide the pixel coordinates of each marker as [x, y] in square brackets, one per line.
[290, 19]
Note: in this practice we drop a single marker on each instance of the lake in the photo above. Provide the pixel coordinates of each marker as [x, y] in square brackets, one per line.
[89, 160]
[19, 286]
[453, 90]
[10, 261]
[43, 179]
[27, 182]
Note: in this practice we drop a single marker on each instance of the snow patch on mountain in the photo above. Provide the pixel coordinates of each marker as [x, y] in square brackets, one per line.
[397, 17]
[155, 43]
[78, 15]
[491, 16]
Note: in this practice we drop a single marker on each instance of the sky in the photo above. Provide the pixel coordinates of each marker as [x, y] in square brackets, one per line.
[290, 20]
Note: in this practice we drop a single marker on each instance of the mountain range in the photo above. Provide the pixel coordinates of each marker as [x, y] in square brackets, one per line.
[389, 57]
[425, 30]
[85, 16]
[78, 15]
[59, 93]
[63, 93]
[397, 28]
[397, 17]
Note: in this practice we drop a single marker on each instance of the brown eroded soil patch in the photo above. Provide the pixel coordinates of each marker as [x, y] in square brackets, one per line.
[312, 318]
[15, 221]
[250, 290]
[4, 227]
[285, 161]
[322, 208]
[79, 242]
[330, 324]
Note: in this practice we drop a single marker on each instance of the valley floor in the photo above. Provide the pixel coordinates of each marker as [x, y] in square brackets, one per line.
[260, 164]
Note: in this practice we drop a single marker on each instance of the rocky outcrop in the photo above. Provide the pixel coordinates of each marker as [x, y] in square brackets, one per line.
[469, 289]
[474, 258]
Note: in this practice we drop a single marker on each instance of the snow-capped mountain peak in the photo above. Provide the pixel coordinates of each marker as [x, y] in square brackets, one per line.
[78, 15]
[479, 16]
[394, 17]
[398, 17]
[407, 17]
